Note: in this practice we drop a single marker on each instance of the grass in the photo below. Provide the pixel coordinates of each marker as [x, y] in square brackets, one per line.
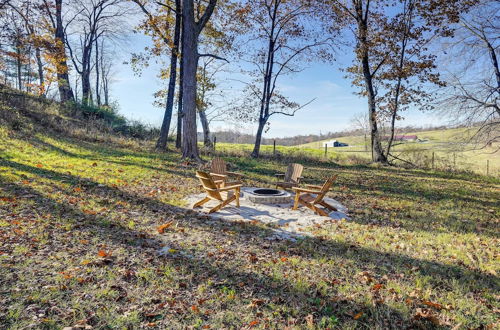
[79, 245]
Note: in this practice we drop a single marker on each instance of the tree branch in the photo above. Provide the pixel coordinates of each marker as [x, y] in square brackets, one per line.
[213, 56]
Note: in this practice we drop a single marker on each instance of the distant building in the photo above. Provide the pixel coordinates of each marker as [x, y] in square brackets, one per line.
[334, 143]
[409, 138]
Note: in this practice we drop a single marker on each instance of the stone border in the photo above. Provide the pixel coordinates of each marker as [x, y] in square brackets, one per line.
[284, 198]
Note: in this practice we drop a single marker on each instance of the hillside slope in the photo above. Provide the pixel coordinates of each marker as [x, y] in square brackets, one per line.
[80, 236]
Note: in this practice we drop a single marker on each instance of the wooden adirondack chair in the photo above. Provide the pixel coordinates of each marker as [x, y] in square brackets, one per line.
[214, 190]
[219, 171]
[291, 178]
[303, 196]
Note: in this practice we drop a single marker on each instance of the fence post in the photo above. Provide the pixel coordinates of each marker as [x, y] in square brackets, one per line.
[433, 160]
[326, 149]
[215, 141]
[274, 147]
[487, 167]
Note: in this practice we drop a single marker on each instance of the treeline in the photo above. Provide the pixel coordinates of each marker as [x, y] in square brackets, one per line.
[233, 136]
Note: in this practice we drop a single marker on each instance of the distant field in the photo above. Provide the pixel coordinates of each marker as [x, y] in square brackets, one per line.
[451, 150]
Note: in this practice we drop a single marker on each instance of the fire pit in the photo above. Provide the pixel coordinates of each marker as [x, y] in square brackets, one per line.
[266, 195]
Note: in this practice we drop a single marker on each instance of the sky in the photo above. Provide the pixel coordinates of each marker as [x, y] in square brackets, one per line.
[334, 105]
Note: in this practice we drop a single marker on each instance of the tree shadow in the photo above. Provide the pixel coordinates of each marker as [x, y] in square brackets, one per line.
[318, 247]
[299, 301]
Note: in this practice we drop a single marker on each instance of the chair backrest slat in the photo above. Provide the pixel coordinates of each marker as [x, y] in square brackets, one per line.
[293, 172]
[326, 186]
[218, 166]
[209, 185]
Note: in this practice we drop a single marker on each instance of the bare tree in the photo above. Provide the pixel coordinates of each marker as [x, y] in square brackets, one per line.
[360, 121]
[473, 96]
[94, 19]
[278, 38]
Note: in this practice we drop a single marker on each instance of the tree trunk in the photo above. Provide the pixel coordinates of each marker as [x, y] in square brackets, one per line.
[165, 127]
[85, 87]
[18, 67]
[40, 71]
[190, 61]
[258, 138]
[363, 46]
[65, 91]
[207, 142]
[178, 139]
[97, 87]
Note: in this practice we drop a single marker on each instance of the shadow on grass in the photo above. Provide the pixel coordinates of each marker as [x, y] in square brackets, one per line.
[294, 303]
[315, 247]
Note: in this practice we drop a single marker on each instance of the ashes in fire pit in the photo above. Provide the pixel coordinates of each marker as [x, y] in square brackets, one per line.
[266, 195]
[268, 192]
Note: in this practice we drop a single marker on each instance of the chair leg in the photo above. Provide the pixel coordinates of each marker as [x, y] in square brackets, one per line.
[328, 206]
[221, 205]
[319, 211]
[200, 203]
[296, 203]
[237, 194]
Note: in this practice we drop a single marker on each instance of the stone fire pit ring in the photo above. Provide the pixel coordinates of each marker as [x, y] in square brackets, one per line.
[266, 195]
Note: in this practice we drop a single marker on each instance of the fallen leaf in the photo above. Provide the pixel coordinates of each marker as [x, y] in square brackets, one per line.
[426, 314]
[253, 323]
[39, 165]
[94, 164]
[103, 254]
[432, 304]
[357, 316]
[161, 229]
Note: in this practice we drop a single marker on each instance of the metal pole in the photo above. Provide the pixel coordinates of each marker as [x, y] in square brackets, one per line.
[274, 147]
[215, 141]
[326, 149]
[433, 160]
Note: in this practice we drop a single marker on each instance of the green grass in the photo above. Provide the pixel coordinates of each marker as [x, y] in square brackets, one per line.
[420, 243]
[79, 245]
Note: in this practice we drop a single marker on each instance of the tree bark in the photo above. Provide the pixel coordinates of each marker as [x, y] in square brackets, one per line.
[190, 61]
[165, 127]
[207, 142]
[65, 91]
[39, 63]
[178, 138]
[266, 89]
[258, 138]
[376, 145]
[191, 31]
[19, 66]
[97, 87]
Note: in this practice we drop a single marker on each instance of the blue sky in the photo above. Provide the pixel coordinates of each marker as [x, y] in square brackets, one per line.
[334, 106]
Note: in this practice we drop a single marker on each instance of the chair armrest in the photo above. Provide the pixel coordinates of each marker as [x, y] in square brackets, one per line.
[234, 173]
[311, 191]
[218, 175]
[313, 186]
[230, 187]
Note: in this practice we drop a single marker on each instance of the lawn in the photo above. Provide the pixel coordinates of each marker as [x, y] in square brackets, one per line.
[79, 246]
